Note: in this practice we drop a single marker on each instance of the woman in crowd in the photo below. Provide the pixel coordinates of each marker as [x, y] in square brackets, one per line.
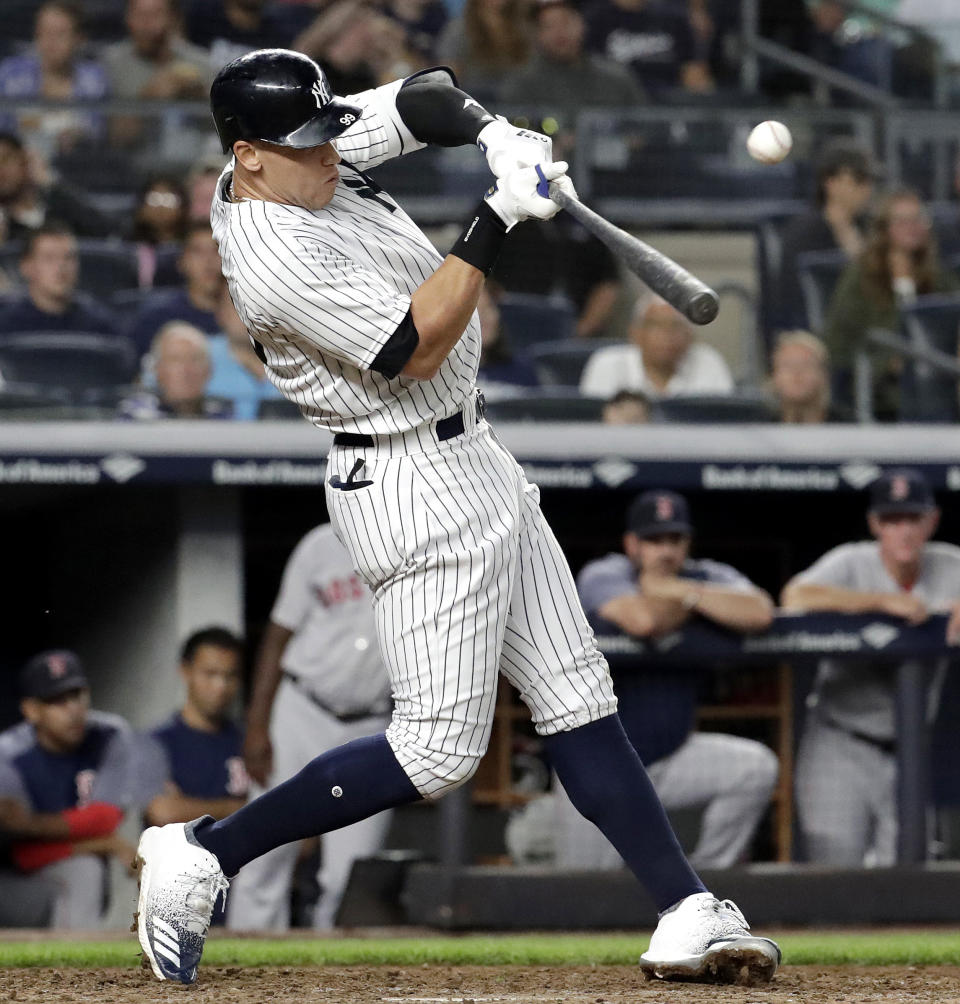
[489, 39]
[800, 380]
[898, 264]
[53, 68]
[159, 224]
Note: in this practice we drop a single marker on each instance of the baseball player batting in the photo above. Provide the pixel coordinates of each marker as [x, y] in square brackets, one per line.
[375, 336]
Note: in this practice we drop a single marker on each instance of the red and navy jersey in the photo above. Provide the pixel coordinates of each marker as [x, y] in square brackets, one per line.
[203, 764]
[100, 769]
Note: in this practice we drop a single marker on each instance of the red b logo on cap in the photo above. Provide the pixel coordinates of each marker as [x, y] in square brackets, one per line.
[899, 488]
[57, 664]
[664, 508]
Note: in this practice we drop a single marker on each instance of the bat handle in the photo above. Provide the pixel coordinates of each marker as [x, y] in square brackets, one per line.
[559, 196]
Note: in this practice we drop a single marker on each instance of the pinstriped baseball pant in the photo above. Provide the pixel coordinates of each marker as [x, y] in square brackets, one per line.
[468, 581]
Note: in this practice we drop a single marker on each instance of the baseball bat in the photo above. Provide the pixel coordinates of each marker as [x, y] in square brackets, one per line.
[693, 298]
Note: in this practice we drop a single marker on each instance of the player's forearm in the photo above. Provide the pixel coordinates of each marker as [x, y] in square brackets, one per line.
[441, 309]
[745, 612]
[39, 826]
[183, 808]
[806, 596]
[267, 674]
[643, 616]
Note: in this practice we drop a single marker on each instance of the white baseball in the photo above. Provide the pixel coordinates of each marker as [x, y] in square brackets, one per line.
[769, 142]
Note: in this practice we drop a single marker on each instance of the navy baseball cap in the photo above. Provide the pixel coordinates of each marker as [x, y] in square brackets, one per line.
[657, 512]
[901, 490]
[50, 674]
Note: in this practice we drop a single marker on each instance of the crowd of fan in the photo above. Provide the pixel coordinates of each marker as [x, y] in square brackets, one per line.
[167, 312]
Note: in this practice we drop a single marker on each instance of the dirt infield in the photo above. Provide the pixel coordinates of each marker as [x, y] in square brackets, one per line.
[478, 984]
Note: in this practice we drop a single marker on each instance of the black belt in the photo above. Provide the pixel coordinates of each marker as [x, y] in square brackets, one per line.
[353, 716]
[886, 745]
[447, 428]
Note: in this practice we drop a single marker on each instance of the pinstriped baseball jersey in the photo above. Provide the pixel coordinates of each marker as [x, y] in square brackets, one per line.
[468, 580]
[323, 290]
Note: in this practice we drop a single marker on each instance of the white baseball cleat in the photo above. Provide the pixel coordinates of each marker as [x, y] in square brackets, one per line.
[180, 882]
[708, 940]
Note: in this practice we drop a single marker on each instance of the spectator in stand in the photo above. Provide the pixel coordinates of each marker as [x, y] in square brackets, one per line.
[846, 773]
[627, 407]
[180, 368]
[501, 373]
[845, 179]
[53, 69]
[800, 380]
[563, 257]
[195, 758]
[159, 225]
[652, 39]
[29, 195]
[196, 301]
[899, 263]
[66, 779]
[422, 22]
[359, 47]
[489, 39]
[561, 78]
[229, 28]
[662, 358]
[237, 372]
[154, 60]
[154, 63]
[50, 267]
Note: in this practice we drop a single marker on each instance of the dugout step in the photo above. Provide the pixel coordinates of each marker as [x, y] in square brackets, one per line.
[497, 898]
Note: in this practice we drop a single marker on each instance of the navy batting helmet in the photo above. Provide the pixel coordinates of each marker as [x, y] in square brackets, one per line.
[277, 96]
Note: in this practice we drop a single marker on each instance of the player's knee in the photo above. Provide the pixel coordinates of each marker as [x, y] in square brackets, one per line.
[764, 770]
[435, 775]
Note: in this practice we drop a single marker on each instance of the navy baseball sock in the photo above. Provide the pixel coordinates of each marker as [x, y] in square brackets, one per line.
[607, 782]
[338, 788]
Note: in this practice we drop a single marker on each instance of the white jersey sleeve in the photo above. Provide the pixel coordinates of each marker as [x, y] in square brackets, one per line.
[380, 133]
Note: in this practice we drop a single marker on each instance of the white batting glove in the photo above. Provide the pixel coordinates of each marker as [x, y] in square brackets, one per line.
[524, 193]
[509, 148]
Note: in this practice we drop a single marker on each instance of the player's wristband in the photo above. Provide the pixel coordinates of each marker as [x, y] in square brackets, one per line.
[480, 242]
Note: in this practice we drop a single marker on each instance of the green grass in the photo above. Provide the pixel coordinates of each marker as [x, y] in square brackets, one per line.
[819, 948]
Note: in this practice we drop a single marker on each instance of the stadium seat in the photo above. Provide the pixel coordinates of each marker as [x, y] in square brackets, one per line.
[29, 397]
[528, 318]
[89, 367]
[718, 408]
[278, 409]
[927, 395]
[105, 266]
[819, 272]
[552, 405]
[560, 364]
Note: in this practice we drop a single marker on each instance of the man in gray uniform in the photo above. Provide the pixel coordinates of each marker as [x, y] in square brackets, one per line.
[846, 765]
[654, 588]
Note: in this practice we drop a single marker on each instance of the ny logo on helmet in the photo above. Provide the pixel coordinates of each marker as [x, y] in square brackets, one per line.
[320, 93]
